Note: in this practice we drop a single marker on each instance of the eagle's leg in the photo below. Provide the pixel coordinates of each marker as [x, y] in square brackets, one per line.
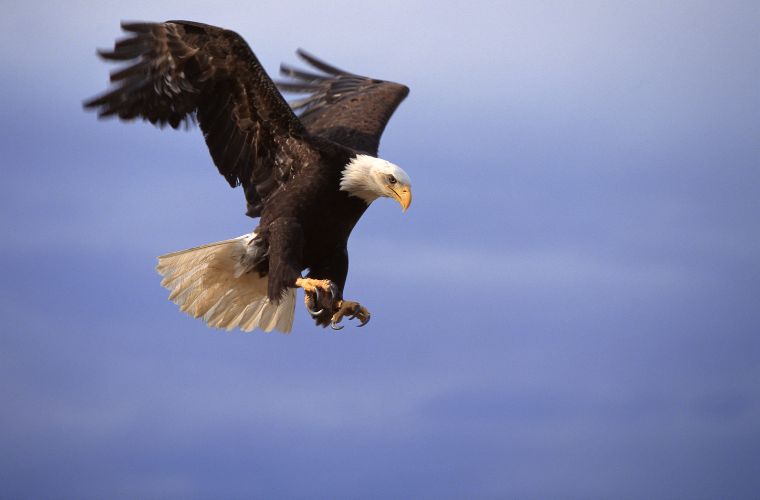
[312, 298]
[350, 309]
[330, 304]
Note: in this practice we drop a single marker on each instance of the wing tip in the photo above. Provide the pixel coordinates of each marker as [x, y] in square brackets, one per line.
[137, 26]
[321, 65]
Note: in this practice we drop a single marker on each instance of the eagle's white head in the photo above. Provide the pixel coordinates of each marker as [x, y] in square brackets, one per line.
[370, 178]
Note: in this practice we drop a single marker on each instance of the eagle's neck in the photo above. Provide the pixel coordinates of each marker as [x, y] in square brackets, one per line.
[357, 178]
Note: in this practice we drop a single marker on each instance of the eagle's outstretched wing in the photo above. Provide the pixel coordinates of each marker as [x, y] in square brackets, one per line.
[178, 70]
[349, 109]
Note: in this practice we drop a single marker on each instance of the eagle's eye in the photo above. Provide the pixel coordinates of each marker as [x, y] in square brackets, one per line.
[391, 179]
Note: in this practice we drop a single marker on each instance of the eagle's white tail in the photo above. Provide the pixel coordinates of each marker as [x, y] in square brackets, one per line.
[212, 282]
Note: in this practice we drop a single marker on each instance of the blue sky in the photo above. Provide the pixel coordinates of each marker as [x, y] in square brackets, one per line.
[568, 310]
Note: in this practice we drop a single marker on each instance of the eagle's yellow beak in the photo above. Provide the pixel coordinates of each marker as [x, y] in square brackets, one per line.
[404, 197]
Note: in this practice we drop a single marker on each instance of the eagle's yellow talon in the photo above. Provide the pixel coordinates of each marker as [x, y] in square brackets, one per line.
[312, 297]
[329, 303]
[311, 301]
[352, 310]
[311, 285]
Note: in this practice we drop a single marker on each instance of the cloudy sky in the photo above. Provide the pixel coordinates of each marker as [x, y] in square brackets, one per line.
[569, 309]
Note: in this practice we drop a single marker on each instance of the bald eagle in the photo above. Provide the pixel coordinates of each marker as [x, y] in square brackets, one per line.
[308, 177]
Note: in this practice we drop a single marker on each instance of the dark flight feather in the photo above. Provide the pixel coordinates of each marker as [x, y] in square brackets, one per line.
[349, 109]
[180, 70]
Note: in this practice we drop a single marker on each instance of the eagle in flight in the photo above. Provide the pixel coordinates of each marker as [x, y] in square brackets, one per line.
[308, 177]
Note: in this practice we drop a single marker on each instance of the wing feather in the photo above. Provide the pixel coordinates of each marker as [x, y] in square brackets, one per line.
[343, 107]
[179, 70]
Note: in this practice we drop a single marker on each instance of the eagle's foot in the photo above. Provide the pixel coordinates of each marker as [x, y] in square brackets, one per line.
[312, 297]
[350, 309]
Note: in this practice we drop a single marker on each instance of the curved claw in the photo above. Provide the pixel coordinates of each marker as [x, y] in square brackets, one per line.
[315, 312]
[364, 322]
[333, 291]
[335, 326]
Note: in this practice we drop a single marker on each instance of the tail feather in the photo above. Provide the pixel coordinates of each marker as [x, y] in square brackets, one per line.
[198, 305]
[211, 282]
